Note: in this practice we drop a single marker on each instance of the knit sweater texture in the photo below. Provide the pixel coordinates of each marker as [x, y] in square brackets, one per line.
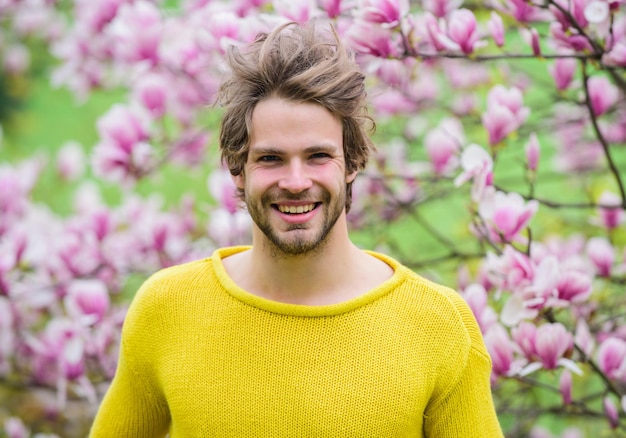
[201, 357]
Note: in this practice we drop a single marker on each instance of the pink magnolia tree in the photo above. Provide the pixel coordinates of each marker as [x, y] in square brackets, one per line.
[502, 149]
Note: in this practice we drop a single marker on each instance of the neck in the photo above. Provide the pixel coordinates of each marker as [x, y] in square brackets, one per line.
[315, 277]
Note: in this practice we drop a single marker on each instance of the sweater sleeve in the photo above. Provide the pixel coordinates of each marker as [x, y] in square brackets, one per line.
[133, 405]
[467, 409]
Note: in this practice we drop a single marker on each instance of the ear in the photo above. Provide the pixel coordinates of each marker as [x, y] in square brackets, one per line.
[239, 180]
[351, 176]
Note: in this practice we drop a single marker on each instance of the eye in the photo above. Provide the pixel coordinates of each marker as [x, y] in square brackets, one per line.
[268, 158]
[320, 156]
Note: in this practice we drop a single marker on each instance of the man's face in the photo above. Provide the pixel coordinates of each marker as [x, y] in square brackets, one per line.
[294, 179]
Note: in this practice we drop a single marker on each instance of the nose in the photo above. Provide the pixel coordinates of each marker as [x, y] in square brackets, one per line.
[295, 178]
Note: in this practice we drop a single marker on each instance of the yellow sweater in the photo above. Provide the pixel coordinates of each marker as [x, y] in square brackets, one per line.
[201, 357]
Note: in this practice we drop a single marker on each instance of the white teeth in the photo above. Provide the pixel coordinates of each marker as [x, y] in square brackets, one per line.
[292, 209]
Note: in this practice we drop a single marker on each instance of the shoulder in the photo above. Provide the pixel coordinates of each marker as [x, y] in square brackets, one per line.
[440, 307]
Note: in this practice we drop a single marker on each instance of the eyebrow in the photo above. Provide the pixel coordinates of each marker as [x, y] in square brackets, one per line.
[324, 147]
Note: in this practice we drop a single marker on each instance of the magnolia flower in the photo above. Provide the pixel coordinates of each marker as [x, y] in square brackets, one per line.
[373, 39]
[477, 164]
[506, 214]
[299, 11]
[223, 189]
[476, 297]
[152, 93]
[15, 428]
[389, 13]
[88, 298]
[562, 71]
[71, 161]
[602, 94]
[442, 145]
[226, 228]
[583, 337]
[612, 358]
[496, 28]
[441, 8]
[137, 30]
[505, 112]
[501, 349]
[532, 150]
[610, 214]
[602, 255]
[610, 411]
[463, 31]
[550, 342]
[616, 57]
[565, 387]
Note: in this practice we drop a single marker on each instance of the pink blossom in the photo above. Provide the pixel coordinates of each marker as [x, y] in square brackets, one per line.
[551, 343]
[501, 351]
[477, 164]
[505, 113]
[122, 126]
[510, 98]
[562, 70]
[97, 14]
[602, 94]
[226, 228]
[190, 148]
[441, 8]
[611, 214]
[507, 214]
[616, 57]
[15, 428]
[137, 30]
[575, 280]
[532, 150]
[610, 411]
[513, 270]
[333, 8]
[113, 163]
[523, 11]
[442, 145]
[602, 255]
[499, 122]
[569, 38]
[71, 161]
[612, 358]
[373, 39]
[299, 11]
[462, 32]
[496, 28]
[435, 31]
[531, 36]
[565, 387]
[87, 298]
[152, 92]
[386, 12]
[583, 337]
[223, 190]
[122, 153]
[476, 297]
[524, 336]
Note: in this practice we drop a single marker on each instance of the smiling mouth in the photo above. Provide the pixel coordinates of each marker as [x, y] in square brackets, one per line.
[296, 209]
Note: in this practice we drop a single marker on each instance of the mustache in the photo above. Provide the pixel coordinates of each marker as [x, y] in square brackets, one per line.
[276, 196]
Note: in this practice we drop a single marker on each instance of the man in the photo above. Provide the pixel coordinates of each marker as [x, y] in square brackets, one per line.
[301, 334]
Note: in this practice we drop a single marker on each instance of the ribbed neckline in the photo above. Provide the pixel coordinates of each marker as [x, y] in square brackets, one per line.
[400, 273]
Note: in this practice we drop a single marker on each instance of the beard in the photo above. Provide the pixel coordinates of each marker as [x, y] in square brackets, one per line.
[297, 239]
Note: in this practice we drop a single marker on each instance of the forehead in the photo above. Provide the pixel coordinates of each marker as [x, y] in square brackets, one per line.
[280, 123]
